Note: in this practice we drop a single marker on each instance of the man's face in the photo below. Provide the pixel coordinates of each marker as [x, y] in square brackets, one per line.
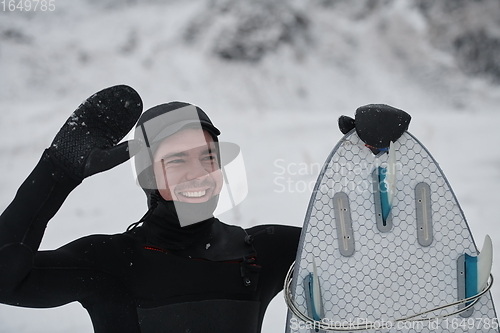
[186, 167]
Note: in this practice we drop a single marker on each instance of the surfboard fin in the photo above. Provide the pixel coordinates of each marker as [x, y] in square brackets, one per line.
[384, 193]
[387, 184]
[473, 273]
[478, 269]
[391, 174]
[313, 295]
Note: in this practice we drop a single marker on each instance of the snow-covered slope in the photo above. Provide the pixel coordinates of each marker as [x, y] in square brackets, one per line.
[274, 77]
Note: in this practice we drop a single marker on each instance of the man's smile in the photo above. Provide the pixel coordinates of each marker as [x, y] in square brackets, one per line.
[193, 194]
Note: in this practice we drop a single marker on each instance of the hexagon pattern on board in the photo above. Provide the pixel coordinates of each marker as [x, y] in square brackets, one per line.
[389, 275]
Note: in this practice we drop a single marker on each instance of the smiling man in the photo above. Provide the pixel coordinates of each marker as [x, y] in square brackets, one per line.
[180, 159]
[178, 269]
[188, 174]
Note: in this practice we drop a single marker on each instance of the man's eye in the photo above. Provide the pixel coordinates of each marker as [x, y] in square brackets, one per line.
[209, 158]
[177, 161]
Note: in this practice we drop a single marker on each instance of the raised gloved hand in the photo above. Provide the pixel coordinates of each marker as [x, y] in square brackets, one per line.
[87, 142]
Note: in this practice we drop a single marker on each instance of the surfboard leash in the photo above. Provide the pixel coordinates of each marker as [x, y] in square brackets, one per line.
[326, 325]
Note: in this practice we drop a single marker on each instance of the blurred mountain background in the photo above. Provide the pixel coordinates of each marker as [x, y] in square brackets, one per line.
[263, 54]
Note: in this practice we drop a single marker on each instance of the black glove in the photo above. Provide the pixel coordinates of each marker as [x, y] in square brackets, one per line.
[376, 125]
[86, 143]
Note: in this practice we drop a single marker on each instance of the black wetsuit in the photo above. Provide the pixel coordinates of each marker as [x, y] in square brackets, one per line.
[158, 277]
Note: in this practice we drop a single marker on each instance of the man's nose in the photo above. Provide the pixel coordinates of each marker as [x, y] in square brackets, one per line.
[196, 170]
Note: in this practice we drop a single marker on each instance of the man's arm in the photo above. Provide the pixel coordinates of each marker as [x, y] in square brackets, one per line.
[23, 223]
[85, 145]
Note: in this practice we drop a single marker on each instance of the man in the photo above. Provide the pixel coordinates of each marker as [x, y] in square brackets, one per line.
[179, 269]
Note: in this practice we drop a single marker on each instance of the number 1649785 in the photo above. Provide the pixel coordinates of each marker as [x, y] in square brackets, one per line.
[28, 5]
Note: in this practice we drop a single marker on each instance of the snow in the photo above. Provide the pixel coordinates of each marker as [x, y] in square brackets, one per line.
[282, 111]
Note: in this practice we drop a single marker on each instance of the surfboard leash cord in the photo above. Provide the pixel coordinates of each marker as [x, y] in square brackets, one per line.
[326, 326]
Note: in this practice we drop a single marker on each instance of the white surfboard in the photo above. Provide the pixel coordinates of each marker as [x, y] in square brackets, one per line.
[380, 267]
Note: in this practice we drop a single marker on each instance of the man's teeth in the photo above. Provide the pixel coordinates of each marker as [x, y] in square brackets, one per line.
[197, 194]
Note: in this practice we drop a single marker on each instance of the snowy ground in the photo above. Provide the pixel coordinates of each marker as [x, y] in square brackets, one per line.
[282, 113]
